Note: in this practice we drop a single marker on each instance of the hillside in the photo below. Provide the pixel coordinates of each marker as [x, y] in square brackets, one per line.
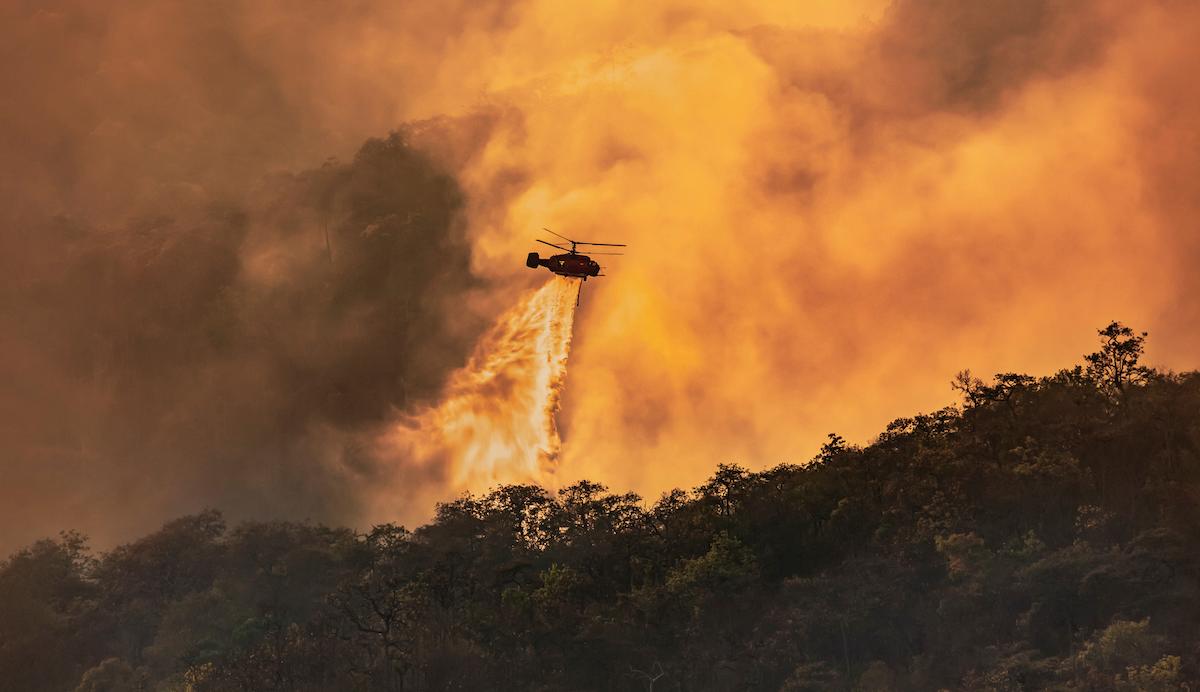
[1045, 534]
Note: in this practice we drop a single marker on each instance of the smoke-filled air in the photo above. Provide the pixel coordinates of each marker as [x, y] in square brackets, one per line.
[496, 421]
[268, 257]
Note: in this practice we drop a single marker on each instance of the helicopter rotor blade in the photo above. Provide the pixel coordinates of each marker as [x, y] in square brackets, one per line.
[580, 242]
[553, 245]
[606, 253]
[559, 235]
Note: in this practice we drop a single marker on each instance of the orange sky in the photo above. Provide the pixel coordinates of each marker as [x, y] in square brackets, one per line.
[831, 207]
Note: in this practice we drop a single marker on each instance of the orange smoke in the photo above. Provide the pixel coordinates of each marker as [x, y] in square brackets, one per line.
[833, 214]
[496, 421]
[832, 207]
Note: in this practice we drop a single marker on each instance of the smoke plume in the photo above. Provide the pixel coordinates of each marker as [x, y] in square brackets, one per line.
[831, 208]
[238, 356]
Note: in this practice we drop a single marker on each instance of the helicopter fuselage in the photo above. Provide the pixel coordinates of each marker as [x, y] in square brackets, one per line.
[570, 264]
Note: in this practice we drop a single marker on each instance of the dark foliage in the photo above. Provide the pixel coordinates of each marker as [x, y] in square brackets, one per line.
[1043, 536]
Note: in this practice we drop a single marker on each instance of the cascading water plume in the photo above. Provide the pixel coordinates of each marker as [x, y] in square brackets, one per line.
[496, 420]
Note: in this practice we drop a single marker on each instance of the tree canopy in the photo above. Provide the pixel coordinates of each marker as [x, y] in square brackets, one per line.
[1045, 534]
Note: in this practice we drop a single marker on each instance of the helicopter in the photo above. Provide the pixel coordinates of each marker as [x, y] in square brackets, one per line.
[572, 264]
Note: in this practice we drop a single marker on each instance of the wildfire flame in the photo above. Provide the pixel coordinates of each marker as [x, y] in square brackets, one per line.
[496, 421]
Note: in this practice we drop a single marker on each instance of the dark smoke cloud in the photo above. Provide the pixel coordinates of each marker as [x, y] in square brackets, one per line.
[229, 355]
[115, 107]
[191, 313]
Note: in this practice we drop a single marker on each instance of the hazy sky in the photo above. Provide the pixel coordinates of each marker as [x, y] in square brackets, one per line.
[832, 207]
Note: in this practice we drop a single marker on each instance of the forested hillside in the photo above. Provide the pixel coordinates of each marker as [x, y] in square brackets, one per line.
[1045, 534]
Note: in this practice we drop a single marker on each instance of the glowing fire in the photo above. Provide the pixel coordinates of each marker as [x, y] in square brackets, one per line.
[496, 421]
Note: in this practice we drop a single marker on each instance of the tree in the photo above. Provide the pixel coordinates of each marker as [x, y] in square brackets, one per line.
[43, 590]
[1115, 366]
[1130, 655]
[112, 675]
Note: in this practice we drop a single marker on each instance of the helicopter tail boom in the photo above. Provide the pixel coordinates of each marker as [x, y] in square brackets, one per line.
[533, 261]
